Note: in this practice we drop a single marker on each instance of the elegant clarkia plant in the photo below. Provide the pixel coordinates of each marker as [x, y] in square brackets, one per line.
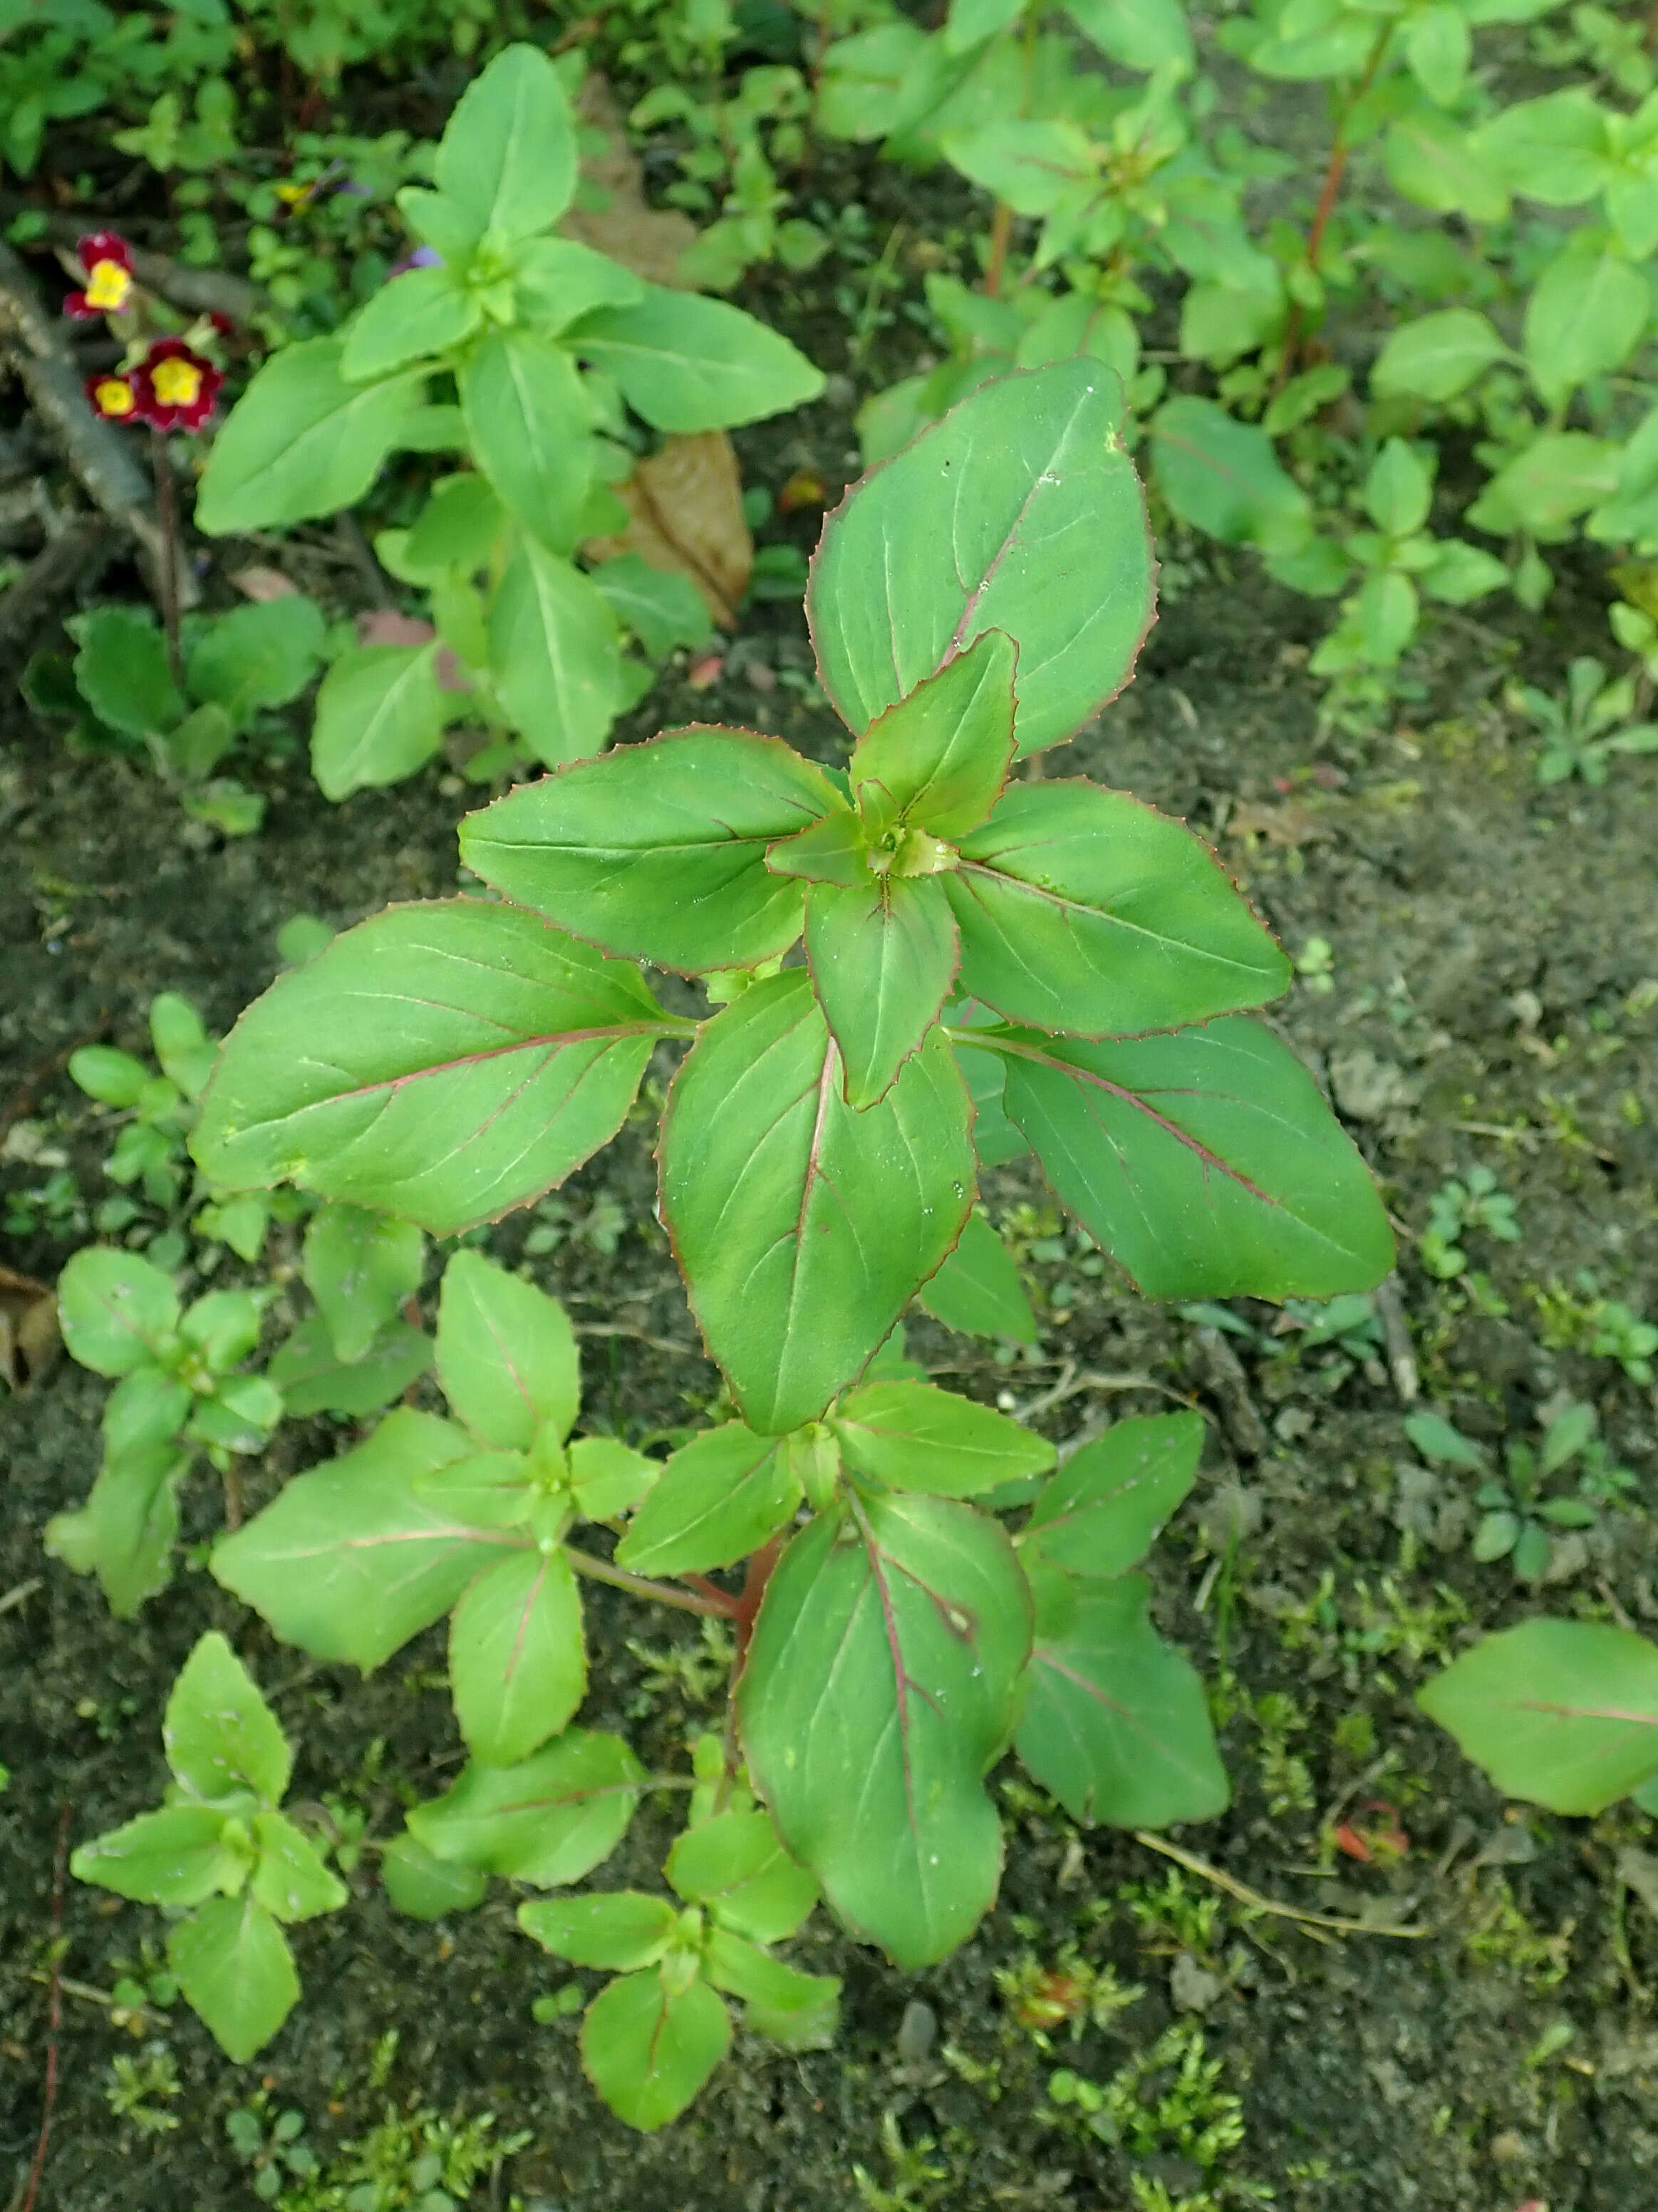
[524, 354]
[989, 962]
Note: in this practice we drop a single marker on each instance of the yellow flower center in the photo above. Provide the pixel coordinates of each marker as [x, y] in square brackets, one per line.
[107, 286]
[115, 396]
[177, 383]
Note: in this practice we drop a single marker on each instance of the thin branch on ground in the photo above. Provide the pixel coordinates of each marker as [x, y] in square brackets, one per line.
[1241, 1890]
[54, 2014]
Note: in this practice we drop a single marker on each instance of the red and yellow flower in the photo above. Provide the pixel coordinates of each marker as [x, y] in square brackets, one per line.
[106, 258]
[175, 386]
[112, 397]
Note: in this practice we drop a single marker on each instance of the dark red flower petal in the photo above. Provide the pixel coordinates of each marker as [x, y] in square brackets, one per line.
[103, 246]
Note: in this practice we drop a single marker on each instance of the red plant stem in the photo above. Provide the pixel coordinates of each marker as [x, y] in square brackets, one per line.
[1001, 234]
[167, 512]
[721, 1605]
[54, 2015]
[1335, 170]
[746, 1608]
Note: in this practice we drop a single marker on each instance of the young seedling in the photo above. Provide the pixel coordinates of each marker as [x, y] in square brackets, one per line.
[181, 1390]
[1519, 1522]
[1584, 731]
[221, 1854]
[1480, 1202]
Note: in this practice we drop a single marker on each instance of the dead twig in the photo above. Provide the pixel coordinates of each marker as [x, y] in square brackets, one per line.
[1401, 1356]
[79, 548]
[99, 453]
[54, 2014]
[1241, 1890]
[19, 1594]
[200, 291]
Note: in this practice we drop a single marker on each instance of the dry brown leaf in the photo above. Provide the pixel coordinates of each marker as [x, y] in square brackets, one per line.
[686, 508]
[386, 626]
[257, 583]
[646, 239]
[28, 1329]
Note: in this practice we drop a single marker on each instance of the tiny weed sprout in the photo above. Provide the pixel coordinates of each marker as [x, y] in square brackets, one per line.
[981, 958]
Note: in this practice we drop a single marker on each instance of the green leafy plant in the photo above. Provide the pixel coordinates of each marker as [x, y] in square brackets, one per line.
[272, 2144]
[523, 352]
[221, 1854]
[1518, 1522]
[1069, 960]
[181, 1391]
[1584, 731]
[1478, 1201]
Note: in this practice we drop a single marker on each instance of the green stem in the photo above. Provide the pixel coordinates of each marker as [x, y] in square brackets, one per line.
[685, 1600]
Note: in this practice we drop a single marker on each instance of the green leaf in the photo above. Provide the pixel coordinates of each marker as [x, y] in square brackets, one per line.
[446, 1061]
[175, 1856]
[1631, 205]
[290, 1881]
[1438, 162]
[427, 1887]
[1115, 1723]
[416, 314]
[1460, 573]
[1083, 909]
[507, 1355]
[456, 529]
[662, 607]
[1103, 1510]
[301, 440]
[1437, 356]
[800, 2011]
[620, 1930]
[260, 656]
[121, 670]
[218, 1733]
[380, 715]
[689, 364]
[939, 758]
[556, 280]
[1585, 317]
[1141, 34]
[146, 1408]
[803, 1228]
[126, 1532]
[735, 1866]
[968, 517]
[1438, 44]
[1554, 150]
[1222, 477]
[607, 1478]
[350, 1560]
[507, 160]
[719, 1497]
[648, 2050]
[971, 22]
[548, 1820]
[1206, 1162]
[659, 850]
[113, 1079]
[116, 1311]
[1548, 484]
[880, 1686]
[832, 851]
[555, 655]
[531, 430]
[234, 1968]
[313, 1379]
[978, 1289]
[911, 1436]
[1436, 1439]
[1564, 1713]
[361, 1267]
[883, 959]
[1398, 491]
[518, 1665]
[1030, 164]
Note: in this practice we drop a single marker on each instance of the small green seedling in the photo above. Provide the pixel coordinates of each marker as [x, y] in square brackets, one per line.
[236, 667]
[521, 352]
[1455, 1207]
[151, 1148]
[364, 1346]
[272, 2144]
[1518, 1522]
[221, 1854]
[1586, 729]
[181, 1390]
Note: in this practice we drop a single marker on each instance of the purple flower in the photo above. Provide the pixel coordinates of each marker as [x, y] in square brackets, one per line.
[423, 257]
